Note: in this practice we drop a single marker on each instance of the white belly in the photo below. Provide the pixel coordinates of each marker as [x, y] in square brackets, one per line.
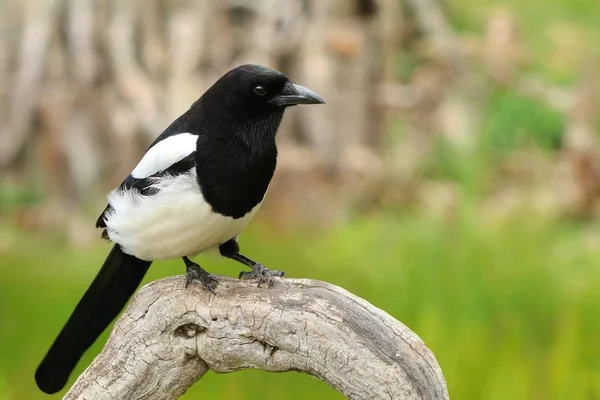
[173, 223]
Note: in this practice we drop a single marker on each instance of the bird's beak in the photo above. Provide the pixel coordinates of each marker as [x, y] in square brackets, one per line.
[293, 94]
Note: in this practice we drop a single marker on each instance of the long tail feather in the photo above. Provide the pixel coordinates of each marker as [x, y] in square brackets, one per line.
[117, 280]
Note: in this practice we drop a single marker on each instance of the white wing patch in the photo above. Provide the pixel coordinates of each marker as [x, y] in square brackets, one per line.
[164, 154]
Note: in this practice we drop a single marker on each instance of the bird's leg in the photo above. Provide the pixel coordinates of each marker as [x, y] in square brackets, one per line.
[231, 249]
[194, 272]
[259, 271]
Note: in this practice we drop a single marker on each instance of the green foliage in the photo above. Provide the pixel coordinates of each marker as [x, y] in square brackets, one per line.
[503, 306]
[512, 121]
[470, 170]
[12, 196]
[406, 63]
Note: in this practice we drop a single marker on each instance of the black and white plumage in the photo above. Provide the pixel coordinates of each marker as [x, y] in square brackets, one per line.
[161, 211]
[196, 188]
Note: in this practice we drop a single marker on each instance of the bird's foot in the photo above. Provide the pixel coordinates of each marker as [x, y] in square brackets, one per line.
[262, 273]
[195, 273]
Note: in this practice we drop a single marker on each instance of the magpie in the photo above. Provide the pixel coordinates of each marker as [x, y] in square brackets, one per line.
[196, 188]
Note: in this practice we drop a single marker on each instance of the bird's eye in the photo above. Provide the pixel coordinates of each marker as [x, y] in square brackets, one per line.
[260, 90]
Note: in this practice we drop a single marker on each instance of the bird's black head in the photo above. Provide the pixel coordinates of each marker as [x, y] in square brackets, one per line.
[253, 98]
[255, 90]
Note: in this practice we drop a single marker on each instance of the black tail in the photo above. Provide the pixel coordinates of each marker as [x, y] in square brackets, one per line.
[105, 298]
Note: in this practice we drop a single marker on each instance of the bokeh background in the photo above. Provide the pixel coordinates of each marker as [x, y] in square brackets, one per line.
[453, 179]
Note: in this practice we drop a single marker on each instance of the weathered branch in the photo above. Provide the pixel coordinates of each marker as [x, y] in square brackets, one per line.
[170, 336]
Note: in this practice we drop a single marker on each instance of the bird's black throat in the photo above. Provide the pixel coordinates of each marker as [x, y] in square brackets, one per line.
[234, 166]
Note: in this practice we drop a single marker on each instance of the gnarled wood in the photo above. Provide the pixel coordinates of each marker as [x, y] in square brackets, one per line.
[170, 336]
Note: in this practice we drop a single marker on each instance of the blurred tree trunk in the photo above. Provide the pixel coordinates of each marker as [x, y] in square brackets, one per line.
[85, 85]
[89, 83]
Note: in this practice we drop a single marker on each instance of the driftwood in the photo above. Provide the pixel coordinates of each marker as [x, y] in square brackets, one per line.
[169, 337]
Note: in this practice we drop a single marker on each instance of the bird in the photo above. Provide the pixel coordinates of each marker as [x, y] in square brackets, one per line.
[195, 189]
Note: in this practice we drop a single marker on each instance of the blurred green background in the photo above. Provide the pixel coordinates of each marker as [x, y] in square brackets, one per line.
[489, 250]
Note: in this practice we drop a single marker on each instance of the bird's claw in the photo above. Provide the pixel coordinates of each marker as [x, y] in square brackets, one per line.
[262, 273]
[195, 273]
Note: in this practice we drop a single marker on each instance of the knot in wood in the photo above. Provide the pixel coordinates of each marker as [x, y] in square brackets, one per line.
[188, 330]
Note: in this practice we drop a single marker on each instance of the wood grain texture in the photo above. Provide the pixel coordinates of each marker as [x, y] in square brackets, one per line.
[170, 336]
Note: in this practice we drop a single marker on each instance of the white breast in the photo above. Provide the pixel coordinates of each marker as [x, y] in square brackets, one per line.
[173, 223]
